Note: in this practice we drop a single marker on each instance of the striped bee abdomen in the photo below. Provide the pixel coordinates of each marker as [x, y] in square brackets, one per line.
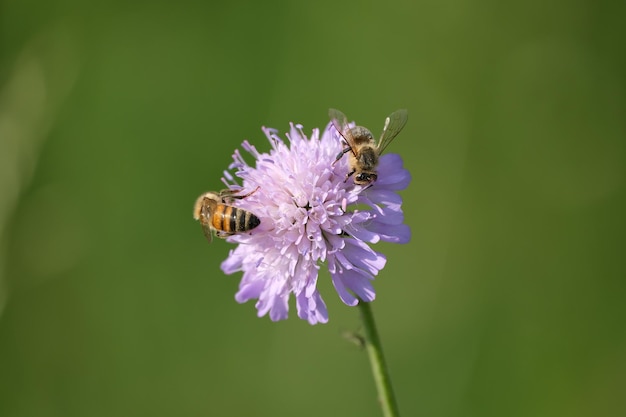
[230, 219]
[220, 218]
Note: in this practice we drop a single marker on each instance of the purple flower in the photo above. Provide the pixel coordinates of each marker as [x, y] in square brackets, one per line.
[310, 216]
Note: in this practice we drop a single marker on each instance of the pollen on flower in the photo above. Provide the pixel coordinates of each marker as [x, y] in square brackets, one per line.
[310, 217]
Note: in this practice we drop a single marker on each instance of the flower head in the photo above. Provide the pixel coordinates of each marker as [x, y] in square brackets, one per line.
[309, 216]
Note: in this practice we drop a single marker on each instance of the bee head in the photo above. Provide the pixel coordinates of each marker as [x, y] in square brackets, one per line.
[364, 178]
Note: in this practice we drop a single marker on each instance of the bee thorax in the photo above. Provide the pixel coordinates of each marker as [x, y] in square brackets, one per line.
[361, 135]
[367, 159]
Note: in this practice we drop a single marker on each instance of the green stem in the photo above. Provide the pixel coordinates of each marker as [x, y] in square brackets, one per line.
[377, 362]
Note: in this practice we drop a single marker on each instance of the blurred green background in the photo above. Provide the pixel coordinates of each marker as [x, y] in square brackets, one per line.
[114, 116]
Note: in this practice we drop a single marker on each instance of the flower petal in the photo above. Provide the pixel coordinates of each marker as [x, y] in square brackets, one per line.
[342, 291]
[398, 233]
[355, 282]
[363, 257]
[313, 309]
[391, 173]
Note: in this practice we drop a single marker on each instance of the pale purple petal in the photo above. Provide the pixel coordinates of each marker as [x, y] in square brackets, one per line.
[312, 308]
[280, 308]
[362, 257]
[357, 283]
[384, 196]
[234, 262]
[248, 290]
[391, 173]
[365, 235]
[342, 291]
[399, 233]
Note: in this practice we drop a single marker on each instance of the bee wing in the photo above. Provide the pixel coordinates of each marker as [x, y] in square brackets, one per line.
[207, 205]
[340, 121]
[208, 233]
[393, 125]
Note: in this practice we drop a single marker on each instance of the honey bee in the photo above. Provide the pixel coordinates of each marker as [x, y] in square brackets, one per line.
[216, 215]
[364, 149]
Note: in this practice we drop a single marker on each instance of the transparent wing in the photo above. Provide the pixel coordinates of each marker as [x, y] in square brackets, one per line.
[393, 125]
[340, 121]
[208, 205]
[208, 233]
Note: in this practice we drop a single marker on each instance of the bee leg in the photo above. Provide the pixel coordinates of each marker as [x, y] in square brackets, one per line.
[222, 235]
[229, 195]
[249, 194]
[342, 153]
[349, 174]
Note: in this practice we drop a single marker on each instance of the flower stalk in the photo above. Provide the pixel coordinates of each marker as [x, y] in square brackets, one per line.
[374, 349]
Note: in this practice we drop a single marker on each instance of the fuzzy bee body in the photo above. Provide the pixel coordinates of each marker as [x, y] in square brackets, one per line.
[363, 148]
[220, 218]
